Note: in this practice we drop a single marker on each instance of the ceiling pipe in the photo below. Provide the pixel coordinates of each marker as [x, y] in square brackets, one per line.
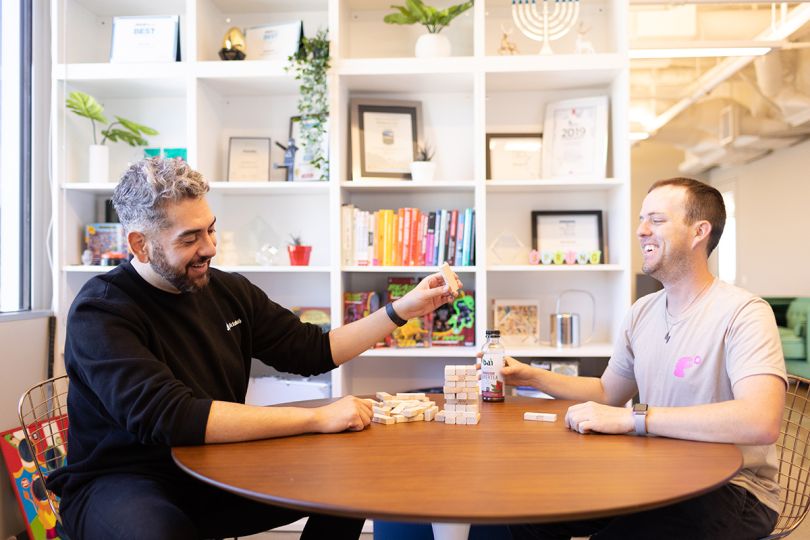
[728, 67]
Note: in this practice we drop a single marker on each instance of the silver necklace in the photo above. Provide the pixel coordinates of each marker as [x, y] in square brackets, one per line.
[666, 312]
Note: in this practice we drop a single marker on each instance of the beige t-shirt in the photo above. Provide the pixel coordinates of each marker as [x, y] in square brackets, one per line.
[725, 336]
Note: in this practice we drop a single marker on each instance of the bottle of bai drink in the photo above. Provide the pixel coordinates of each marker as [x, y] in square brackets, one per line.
[492, 386]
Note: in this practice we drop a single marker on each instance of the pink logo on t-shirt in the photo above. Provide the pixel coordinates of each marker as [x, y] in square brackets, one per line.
[684, 363]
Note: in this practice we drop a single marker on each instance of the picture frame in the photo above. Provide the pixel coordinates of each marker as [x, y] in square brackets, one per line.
[514, 156]
[578, 231]
[273, 41]
[145, 39]
[517, 320]
[249, 159]
[385, 135]
[575, 138]
[304, 171]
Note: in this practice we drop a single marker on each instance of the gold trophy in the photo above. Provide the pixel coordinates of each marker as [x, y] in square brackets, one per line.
[233, 45]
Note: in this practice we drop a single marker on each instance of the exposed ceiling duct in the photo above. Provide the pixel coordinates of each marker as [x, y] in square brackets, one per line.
[726, 111]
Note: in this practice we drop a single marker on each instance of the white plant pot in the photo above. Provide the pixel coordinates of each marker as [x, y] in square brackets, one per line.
[432, 46]
[423, 171]
[99, 163]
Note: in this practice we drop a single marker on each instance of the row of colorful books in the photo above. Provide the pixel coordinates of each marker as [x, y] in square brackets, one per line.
[407, 237]
[452, 324]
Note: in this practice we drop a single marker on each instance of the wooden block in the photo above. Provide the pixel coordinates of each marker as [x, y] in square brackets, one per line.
[471, 407]
[471, 384]
[381, 410]
[449, 398]
[540, 417]
[461, 395]
[450, 407]
[418, 418]
[420, 396]
[473, 378]
[469, 371]
[449, 277]
[449, 370]
[382, 419]
[440, 416]
[383, 396]
[399, 408]
[452, 378]
[472, 420]
[399, 418]
[449, 418]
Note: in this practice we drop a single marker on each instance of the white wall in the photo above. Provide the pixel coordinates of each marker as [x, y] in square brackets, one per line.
[22, 364]
[649, 161]
[772, 196]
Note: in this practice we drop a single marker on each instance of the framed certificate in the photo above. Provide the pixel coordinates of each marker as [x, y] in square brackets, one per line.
[249, 159]
[273, 41]
[305, 171]
[145, 39]
[514, 156]
[575, 138]
[385, 137]
[578, 231]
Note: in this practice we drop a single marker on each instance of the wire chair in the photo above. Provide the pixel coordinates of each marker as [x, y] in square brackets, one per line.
[794, 458]
[43, 416]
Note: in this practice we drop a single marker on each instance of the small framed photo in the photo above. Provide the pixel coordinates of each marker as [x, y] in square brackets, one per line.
[575, 138]
[305, 171]
[145, 39]
[273, 41]
[385, 137]
[567, 232]
[518, 321]
[514, 156]
[249, 159]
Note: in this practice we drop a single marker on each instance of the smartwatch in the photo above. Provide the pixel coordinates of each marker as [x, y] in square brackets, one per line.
[396, 319]
[640, 418]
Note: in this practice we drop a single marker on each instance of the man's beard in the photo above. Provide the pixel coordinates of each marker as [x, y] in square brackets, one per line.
[179, 278]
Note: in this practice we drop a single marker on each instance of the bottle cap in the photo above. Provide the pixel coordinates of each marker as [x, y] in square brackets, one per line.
[493, 333]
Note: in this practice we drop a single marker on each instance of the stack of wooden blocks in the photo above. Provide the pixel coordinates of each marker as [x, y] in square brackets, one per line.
[403, 407]
[460, 396]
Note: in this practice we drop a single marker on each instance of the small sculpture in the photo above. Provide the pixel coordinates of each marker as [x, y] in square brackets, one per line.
[584, 45]
[507, 47]
[289, 158]
[233, 45]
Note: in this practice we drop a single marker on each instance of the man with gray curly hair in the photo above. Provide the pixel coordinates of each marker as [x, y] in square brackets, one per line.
[159, 352]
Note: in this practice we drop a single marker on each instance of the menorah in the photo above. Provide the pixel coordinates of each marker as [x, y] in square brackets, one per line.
[551, 24]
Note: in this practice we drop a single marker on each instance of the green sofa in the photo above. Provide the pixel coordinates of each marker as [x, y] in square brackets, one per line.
[792, 315]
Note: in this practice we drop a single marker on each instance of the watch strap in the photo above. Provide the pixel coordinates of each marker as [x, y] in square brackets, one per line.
[396, 319]
[640, 419]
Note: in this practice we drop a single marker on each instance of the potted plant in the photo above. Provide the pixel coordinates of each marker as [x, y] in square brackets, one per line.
[298, 252]
[432, 44]
[310, 65]
[122, 129]
[422, 168]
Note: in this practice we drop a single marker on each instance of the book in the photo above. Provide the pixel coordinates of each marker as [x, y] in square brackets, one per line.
[105, 239]
[454, 322]
[319, 316]
[416, 332]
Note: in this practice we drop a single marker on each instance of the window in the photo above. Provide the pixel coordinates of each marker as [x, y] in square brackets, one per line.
[15, 155]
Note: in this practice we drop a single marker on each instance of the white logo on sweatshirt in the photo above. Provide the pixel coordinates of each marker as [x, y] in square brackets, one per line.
[231, 324]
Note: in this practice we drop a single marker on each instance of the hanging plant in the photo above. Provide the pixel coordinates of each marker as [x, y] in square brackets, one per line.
[310, 65]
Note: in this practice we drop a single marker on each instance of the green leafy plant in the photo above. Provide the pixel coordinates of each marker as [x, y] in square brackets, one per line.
[424, 152]
[295, 240]
[310, 65]
[122, 129]
[416, 12]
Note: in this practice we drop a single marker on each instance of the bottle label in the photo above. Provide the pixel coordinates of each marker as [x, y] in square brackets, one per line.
[492, 384]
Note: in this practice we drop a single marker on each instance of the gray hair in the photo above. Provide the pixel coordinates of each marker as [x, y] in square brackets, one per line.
[141, 196]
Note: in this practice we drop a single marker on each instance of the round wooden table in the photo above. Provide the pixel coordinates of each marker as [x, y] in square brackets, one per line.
[502, 470]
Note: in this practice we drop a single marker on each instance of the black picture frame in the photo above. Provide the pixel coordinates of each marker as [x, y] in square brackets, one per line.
[579, 223]
[365, 157]
[536, 138]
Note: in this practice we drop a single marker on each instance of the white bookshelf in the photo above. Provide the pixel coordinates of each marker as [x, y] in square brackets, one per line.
[199, 102]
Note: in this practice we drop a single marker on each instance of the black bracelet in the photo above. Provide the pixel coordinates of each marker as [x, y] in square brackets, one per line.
[396, 319]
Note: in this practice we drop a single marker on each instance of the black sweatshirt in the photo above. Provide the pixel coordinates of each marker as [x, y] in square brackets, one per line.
[145, 364]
